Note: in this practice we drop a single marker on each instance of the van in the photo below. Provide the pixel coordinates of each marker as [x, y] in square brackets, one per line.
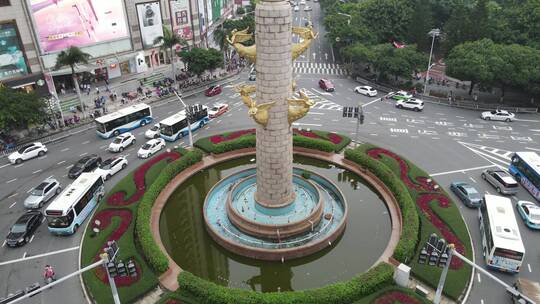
[502, 181]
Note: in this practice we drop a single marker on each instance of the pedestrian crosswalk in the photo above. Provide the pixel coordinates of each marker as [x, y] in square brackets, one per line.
[303, 67]
[322, 103]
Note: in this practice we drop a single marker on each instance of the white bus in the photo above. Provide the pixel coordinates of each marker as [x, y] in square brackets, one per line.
[176, 126]
[123, 120]
[502, 247]
[69, 210]
[525, 167]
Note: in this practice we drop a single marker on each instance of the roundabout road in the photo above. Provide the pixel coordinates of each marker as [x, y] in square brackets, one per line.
[452, 144]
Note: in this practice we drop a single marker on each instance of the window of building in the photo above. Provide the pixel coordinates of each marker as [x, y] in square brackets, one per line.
[4, 3]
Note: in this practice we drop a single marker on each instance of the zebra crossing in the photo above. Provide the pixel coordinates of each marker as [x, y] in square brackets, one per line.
[321, 103]
[302, 67]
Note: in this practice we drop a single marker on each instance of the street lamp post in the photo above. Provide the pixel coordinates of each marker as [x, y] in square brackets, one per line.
[188, 112]
[433, 33]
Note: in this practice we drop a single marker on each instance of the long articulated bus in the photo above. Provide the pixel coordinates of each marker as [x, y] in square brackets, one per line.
[68, 211]
[176, 126]
[525, 167]
[502, 247]
[123, 120]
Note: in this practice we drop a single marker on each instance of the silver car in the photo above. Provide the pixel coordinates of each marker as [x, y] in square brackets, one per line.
[42, 193]
[502, 181]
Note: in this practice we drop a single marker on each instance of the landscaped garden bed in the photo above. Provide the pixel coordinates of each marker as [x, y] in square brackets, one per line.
[313, 139]
[438, 214]
[116, 214]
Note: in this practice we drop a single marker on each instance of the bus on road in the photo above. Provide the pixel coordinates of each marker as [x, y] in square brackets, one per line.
[123, 120]
[502, 247]
[176, 126]
[525, 167]
[68, 211]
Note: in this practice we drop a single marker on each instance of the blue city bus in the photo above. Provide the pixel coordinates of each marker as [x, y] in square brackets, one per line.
[123, 120]
[176, 126]
[69, 210]
[525, 167]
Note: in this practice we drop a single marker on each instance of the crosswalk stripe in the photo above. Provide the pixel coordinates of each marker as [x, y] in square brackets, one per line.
[303, 67]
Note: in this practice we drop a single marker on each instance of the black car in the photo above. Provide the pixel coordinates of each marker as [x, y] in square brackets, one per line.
[85, 164]
[21, 232]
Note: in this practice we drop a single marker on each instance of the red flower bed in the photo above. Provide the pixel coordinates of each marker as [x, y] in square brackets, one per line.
[105, 217]
[394, 297]
[424, 199]
[332, 137]
[118, 198]
[216, 139]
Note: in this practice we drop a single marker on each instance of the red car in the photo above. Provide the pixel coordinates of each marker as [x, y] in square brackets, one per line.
[326, 85]
[213, 91]
[217, 110]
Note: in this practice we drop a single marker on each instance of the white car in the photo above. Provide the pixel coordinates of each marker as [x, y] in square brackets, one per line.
[121, 142]
[27, 151]
[399, 95]
[111, 166]
[218, 109]
[530, 213]
[307, 8]
[501, 115]
[296, 8]
[411, 104]
[153, 132]
[302, 2]
[151, 147]
[366, 90]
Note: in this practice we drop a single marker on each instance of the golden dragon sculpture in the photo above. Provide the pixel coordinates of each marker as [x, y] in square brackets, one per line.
[250, 52]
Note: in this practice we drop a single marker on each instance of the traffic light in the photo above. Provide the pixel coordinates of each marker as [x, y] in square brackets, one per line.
[344, 112]
[362, 118]
[356, 112]
[350, 112]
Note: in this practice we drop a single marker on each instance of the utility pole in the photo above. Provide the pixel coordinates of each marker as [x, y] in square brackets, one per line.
[433, 33]
[188, 112]
[358, 113]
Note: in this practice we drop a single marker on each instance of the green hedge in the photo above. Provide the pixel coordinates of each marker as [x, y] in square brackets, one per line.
[313, 143]
[151, 251]
[409, 238]
[246, 141]
[204, 292]
[338, 147]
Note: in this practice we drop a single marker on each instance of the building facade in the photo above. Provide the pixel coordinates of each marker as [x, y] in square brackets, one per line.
[118, 34]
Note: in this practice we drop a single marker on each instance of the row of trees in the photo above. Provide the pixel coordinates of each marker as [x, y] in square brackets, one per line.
[358, 27]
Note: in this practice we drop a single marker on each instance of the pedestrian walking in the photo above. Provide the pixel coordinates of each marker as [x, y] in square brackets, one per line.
[97, 90]
[107, 89]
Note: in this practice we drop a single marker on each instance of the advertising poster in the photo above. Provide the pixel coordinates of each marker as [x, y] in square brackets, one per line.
[181, 19]
[202, 16]
[209, 13]
[61, 24]
[150, 23]
[12, 61]
[217, 6]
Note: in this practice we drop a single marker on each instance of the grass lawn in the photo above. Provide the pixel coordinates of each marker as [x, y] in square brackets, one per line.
[92, 244]
[457, 278]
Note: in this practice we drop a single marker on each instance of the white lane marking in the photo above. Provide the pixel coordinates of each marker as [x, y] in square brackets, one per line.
[32, 238]
[42, 157]
[306, 124]
[367, 104]
[481, 301]
[69, 166]
[103, 147]
[64, 150]
[11, 181]
[487, 192]
[11, 206]
[514, 198]
[4, 243]
[18, 166]
[529, 267]
[29, 190]
[140, 133]
[83, 154]
[65, 175]
[532, 149]
[315, 113]
[478, 276]
[39, 256]
[462, 170]
[460, 116]
[13, 195]
[218, 121]
[3, 166]
[60, 162]
[37, 171]
[24, 255]
[470, 177]
[85, 142]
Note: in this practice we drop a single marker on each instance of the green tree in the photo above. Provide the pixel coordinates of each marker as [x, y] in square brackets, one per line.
[220, 38]
[168, 42]
[397, 62]
[214, 60]
[71, 57]
[471, 61]
[420, 24]
[386, 19]
[19, 109]
[480, 17]
[199, 60]
[458, 29]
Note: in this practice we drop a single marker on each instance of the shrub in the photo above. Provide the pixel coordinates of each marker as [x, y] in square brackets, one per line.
[313, 143]
[151, 251]
[409, 237]
[246, 141]
[205, 292]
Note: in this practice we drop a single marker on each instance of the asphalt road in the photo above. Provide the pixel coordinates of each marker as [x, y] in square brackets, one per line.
[452, 144]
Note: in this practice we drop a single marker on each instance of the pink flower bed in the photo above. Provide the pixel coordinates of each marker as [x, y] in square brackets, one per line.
[105, 217]
[394, 297]
[424, 199]
[216, 139]
[332, 137]
[118, 198]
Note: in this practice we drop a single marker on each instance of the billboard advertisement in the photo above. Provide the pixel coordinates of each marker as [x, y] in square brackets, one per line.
[12, 61]
[150, 23]
[61, 24]
[217, 7]
[202, 16]
[181, 18]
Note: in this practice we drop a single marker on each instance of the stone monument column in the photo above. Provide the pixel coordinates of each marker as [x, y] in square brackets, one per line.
[274, 77]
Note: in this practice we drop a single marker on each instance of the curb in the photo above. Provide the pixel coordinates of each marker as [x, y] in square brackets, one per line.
[157, 102]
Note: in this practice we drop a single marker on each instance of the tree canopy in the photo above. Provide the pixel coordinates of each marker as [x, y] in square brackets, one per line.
[18, 109]
[199, 60]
